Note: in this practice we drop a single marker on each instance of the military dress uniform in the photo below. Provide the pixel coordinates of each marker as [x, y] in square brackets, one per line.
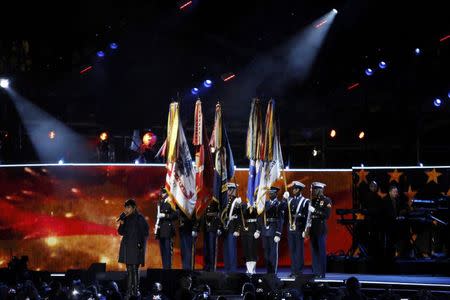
[186, 227]
[231, 226]
[211, 226]
[319, 213]
[250, 232]
[272, 226]
[166, 232]
[297, 214]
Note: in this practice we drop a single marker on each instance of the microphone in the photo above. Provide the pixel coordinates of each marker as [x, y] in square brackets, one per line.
[121, 217]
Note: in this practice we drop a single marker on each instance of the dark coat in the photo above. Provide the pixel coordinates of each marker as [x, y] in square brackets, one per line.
[233, 225]
[134, 241]
[166, 224]
[320, 216]
[274, 211]
[299, 217]
[210, 221]
[249, 228]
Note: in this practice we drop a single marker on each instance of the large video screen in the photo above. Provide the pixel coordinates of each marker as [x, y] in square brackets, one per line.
[64, 216]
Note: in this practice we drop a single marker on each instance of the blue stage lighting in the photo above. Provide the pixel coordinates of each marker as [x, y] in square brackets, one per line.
[207, 83]
[194, 91]
[417, 51]
[382, 65]
[113, 46]
[100, 54]
[369, 72]
[437, 102]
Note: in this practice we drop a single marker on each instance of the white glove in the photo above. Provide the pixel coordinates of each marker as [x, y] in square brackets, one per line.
[256, 235]
[276, 239]
[194, 233]
[238, 200]
[161, 215]
[286, 195]
[311, 208]
[219, 232]
[236, 234]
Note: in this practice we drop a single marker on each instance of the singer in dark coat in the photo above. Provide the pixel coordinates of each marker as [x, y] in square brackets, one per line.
[134, 231]
[135, 234]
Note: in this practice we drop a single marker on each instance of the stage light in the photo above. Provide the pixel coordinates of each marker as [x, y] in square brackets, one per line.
[194, 91]
[4, 83]
[227, 76]
[335, 10]
[437, 102]
[315, 152]
[369, 72]
[333, 133]
[87, 69]
[184, 5]
[207, 83]
[100, 53]
[362, 165]
[421, 164]
[448, 95]
[103, 136]
[113, 46]
[352, 86]
[417, 51]
[136, 162]
[52, 135]
[382, 65]
[61, 162]
[361, 135]
[149, 139]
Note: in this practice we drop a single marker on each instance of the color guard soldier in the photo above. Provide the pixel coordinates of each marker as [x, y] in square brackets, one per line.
[231, 224]
[272, 227]
[165, 229]
[297, 213]
[320, 210]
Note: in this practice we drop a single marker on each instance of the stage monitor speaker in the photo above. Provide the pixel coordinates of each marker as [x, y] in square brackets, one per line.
[97, 268]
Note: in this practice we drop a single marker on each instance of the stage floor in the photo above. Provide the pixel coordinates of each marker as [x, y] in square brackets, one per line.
[427, 280]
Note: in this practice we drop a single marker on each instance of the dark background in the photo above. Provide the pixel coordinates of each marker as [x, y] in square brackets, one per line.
[164, 52]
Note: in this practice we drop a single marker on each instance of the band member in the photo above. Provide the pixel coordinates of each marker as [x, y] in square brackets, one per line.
[211, 226]
[134, 229]
[369, 232]
[250, 232]
[395, 229]
[165, 229]
[297, 213]
[231, 225]
[187, 234]
[272, 227]
[320, 210]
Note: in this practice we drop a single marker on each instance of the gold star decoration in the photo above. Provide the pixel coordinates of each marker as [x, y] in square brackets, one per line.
[362, 174]
[395, 176]
[410, 194]
[433, 176]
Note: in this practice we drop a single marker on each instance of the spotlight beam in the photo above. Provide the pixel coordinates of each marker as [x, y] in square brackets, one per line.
[39, 123]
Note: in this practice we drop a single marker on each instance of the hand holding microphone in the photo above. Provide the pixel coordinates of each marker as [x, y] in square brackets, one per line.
[121, 217]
